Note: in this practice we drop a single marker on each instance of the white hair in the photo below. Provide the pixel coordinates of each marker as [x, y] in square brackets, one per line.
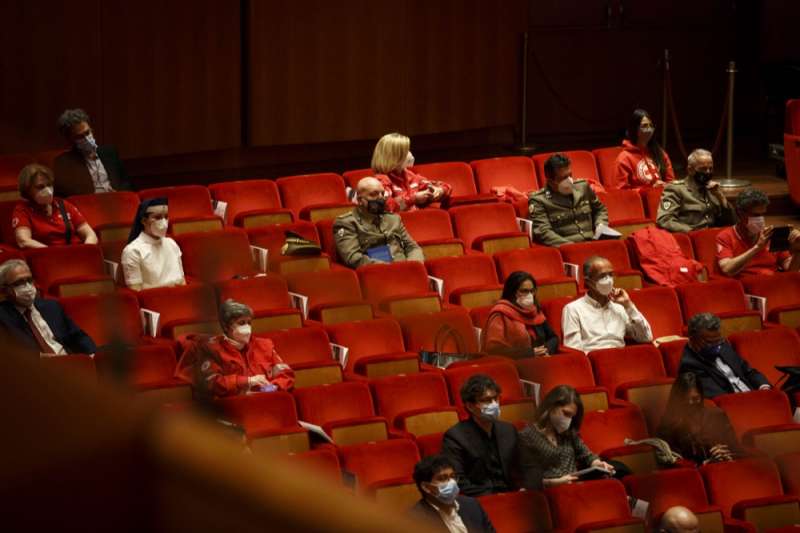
[697, 154]
[8, 266]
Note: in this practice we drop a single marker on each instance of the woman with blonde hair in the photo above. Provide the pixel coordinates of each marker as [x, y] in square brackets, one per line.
[405, 190]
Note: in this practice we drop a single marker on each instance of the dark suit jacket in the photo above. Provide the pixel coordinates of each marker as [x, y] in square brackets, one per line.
[469, 509]
[72, 176]
[66, 332]
[713, 381]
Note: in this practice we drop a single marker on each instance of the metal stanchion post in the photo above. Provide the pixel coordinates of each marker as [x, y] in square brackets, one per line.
[729, 181]
[664, 104]
[523, 146]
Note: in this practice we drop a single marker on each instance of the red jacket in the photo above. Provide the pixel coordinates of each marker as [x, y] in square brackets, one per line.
[637, 170]
[226, 369]
[402, 187]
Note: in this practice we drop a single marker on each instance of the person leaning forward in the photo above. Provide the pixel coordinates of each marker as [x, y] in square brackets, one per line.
[368, 234]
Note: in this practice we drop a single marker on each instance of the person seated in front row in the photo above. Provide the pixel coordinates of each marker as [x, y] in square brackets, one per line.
[696, 202]
[516, 326]
[679, 519]
[234, 362]
[87, 168]
[483, 448]
[37, 323]
[719, 369]
[565, 210]
[369, 234]
[405, 190]
[699, 433]
[605, 315]
[151, 259]
[40, 219]
[441, 504]
[552, 442]
[642, 164]
[743, 249]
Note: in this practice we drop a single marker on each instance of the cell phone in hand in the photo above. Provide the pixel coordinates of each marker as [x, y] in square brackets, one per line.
[779, 240]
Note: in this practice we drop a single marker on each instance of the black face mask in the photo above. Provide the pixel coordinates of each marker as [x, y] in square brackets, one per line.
[376, 207]
[702, 178]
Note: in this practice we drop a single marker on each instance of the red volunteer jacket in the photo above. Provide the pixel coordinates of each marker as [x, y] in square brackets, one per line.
[402, 187]
[637, 170]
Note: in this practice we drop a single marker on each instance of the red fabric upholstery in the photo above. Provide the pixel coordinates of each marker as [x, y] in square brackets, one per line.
[607, 164]
[792, 122]
[247, 197]
[553, 309]
[6, 230]
[651, 198]
[502, 372]
[669, 488]
[327, 241]
[564, 369]
[301, 193]
[263, 414]
[789, 466]
[750, 411]
[76, 364]
[584, 166]
[615, 251]
[112, 209]
[515, 171]
[465, 274]
[516, 512]
[185, 201]
[661, 308]
[704, 243]
[671, 352]
[301, 345]
[216, 255]
[782, 291]
[768, 348]
[367, 338]
[542, 262]
[262, 293]
[337, 402]
[399, 396]
[352, 177]
[724, 297]
[326, 288]
[584, 503]
[604, 430]
[383, 282]
[273, 237]
[106, 318]
[180, 305]
[457, 174]
[321, 462]
[791, 151]
[473, 223]
[420, 330]
[617, 366]
[624, 207]
[148, 366]
[389, 461]
[57, 265]
[726, 485]
[428, 224]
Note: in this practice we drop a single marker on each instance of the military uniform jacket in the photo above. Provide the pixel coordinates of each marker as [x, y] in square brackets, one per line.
[559, 219]
[684, 206]
[357, 231]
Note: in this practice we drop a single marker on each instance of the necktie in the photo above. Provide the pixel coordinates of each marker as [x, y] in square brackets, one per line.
[43, 346]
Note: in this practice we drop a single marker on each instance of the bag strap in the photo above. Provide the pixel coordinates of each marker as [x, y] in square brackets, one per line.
[67, 223]
[443, 334]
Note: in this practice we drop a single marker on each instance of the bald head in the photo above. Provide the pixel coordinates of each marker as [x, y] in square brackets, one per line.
[679, 520]
[368, 185]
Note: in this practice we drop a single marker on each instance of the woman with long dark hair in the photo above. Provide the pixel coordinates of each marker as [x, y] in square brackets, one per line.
[698, 432]
[516, 326]
[643, 163]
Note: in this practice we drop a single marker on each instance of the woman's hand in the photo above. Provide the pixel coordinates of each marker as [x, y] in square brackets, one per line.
[541, 351]
[258, 380]
[437, 193]
[721, 453]
[423, 197]
[599, 463]
[563, 480]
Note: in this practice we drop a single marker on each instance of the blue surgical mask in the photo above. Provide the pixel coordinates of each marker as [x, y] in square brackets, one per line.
[712, 351]
[491, 411]
[447, 492]
[87, 145]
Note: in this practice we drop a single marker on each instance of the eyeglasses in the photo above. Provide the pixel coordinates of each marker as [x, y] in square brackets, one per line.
[526, 291]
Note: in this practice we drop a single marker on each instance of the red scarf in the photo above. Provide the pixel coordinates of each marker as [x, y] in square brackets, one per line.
[530, 317]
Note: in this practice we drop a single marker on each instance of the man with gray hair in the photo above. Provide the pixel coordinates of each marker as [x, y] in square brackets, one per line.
[87, 168]
[696, 202]
[679, 519]
[35, 323]
[713, 360]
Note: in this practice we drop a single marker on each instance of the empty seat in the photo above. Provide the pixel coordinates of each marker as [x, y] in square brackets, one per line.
[592, 506]
[762, 419]
[722, 297]
[251, 203]
[383, 470]
[469, 280]
[352, 177]
[269, 420]
[490, 228]
[625, 211]
[183, 309]
[457, 174]
[190, 207]
[109, 214]
[704, 243]
[515, 406]
[432, 230]
[672, 352]
[273, 237]
[398, 288]
[544, 264]
[651, 198]
[782, 292]
[565, 369]
[767, 348]
[604, 432]
[607, 164]
[661, 308]
[789, 466]
[314, 196]
[515, 171]
[553, 310]
[326, 238]
[107, 318]
[518, 512]
[148, 369]
[320, 463]
[615, 251]
[333, 295]
[584, 166]
[422, 331]
[70, 270]
[216, 255]
[375, 348]
[308, 351]
[268, 296]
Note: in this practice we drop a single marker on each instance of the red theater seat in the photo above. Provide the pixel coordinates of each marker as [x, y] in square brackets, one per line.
[515, 171]
[219, 255]
[69, 270]
[107, 318]
[592, 506]
[398, 288]
[607, 164]
[469, 281]
[190, 207]
[269, 420]
[432, 230]
[251, 203]
[791, 150]
[148, 369]
[75, 364]
[672, 352]
[651, 198]
[109, 214]
[421, 331]
[768, 348]
[544, 264]
[268, 296]
[518, 512]
[789, 466]
[352, 177]
[782, 291]
[565, 369]
[604, 432]
[375, 348]
[625, 211]
[460, 178]
[183, 309]
[490, 228]
[322, 463]
[334, 296]
[326, 238]
[515, 406]
[722, 297]
[383, 470]
[704, 243]
[6, 230]
[553, 310]
[315, 196]
[273, 237]
[615, 251]
[762, 419]
[661, 308]
[308, 351]
[584, 166]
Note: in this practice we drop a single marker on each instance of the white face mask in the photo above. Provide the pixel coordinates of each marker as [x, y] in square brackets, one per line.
[409, 160]
[560, 422]
[25, 294]
[604, 285]
[526, 301]
[755, 225]
[44, 196]
[87, 145]
[565, 186]
[159, 227]
[242, 333]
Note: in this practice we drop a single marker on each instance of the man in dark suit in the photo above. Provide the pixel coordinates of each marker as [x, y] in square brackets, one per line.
[717, 365]
[484, 449]
[37, 324]
[87, 168]
[441, 504]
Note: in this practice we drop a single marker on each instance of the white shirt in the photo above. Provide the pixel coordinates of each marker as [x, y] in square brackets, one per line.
[99, 175]
[152, 262]
[452, 520]
[588, 326]
[735, 381]
[44, 329]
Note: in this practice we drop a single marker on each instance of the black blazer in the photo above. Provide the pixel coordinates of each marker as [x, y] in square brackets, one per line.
[72, 176]
[66, 332]
[713, 381]
[469, 509]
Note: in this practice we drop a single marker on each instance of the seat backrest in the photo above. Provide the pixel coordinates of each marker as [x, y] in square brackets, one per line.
[472, 221]
[553, 310]
[661, 308]
[584, 166]
[298, 192]
[651, 198]
[245, 195]
[261, 293]
[273, 411]
[216, 255]
[408, 392]
[427, 224]
[106, 318]
[791, 151]
[320, 463]
[565, 369]
[672, 352]
[792, 124]
[503, 373]
[368, 337]
[767, 348]
[108, 208]
[704, 243]
[465, 271]
[327, 241]
[420, 331]
[607, 163]
[372, 462]
[518, 511]
[789, 466]
[668, 488]
[63, 262]
[541, 262]
[7, 233]
[750, 410]
[614, 251]
[514, 171]
[724, 481]
[192, 303]
[380, 282]
[326, 286]
[457, 174]
[322, 404]
[273, 237]
[301, 345]
[716, 296]
[185, 201]
[602, 430]
[583, 503]
[147, 364]
[622, 205]
[352, 177]
[615, 366]
[780, 289]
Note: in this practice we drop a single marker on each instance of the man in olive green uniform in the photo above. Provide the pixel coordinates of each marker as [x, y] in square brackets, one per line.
[695, 202]
[565, 210]
[368, 234]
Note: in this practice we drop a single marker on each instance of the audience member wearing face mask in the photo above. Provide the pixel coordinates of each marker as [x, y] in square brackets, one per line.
[38, 324]
[743, 249]
[40, 219]
[717, 366]
[235, 362]
[441, 503]
[551, 441]
[405, 190]
[605, 315]
[516, 326]
[700, 433]
[151, 259]
[696, 202]
[483, 448]
[642, 164]
[369, 234]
